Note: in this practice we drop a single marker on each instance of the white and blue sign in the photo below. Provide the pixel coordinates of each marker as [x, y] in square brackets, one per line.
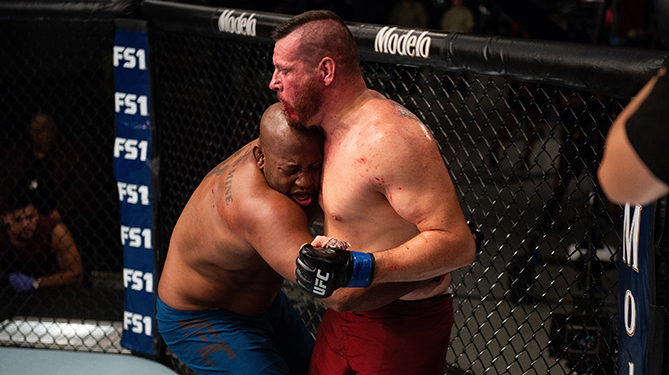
[634, 288]
[132, 154]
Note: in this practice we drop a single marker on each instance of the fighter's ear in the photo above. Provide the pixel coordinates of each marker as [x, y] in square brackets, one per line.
[327, 69]
[259, 155]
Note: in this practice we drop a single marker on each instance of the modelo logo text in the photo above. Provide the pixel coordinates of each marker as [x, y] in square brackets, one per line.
[409, 44]
[241, 25]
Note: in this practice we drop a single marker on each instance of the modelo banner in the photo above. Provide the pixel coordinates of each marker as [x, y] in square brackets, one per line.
[132, 155]
[591, 67]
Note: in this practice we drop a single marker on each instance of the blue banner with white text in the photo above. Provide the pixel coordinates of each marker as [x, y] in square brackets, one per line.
[634, 290]
[132, 155]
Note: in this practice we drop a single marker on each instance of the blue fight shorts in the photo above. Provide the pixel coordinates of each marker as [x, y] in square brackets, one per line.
[218, 341]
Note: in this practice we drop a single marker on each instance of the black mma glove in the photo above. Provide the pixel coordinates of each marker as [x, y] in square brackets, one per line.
[478, 235]
[322, 271]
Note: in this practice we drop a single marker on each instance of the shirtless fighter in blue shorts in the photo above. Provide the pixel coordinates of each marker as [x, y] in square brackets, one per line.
[220, 307]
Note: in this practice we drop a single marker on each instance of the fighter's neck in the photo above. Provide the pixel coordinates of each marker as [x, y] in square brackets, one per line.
[339, 115]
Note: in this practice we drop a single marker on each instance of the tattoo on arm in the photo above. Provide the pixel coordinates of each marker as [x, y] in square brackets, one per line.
[229, 164]
[223, 166]
[403, 111]
[228, 188]
[219, 169]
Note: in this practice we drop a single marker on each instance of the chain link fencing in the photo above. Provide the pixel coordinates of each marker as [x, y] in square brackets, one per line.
[540, 296]
[522, 155]
[56, 145]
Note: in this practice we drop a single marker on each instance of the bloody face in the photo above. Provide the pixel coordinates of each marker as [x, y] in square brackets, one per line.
[295, 83]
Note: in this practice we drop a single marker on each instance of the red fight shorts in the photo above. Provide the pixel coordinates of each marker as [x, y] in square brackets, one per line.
[403, 338]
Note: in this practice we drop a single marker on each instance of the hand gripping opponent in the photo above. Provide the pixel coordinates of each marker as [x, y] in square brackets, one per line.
[322, 271]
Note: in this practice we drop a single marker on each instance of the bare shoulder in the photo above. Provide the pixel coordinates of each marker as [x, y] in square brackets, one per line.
[61, 238]
[60, 229]
[393, 123]
[239, 186]
[232, 161]
[402, 111]
[251, 201]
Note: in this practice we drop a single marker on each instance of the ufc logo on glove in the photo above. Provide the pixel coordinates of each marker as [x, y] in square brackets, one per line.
[320, 287]
[320, 272]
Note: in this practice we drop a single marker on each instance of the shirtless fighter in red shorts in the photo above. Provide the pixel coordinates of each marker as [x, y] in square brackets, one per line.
[384, 187]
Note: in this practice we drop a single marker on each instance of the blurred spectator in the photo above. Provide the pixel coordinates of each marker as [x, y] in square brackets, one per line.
[457, 19]
[52, 170]
[409, 13]
[36, 251]
[631, 27]
[584, 122]
[527, 104]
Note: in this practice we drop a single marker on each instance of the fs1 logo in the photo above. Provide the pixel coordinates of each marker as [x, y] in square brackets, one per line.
[139, 323]
[135, 193]
[136, 237]
[131, 148]
[130, 103]
[320, 286]
[132, 58]
[138, 280]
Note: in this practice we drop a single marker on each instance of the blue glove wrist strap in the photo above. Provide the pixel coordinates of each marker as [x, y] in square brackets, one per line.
[363, 270]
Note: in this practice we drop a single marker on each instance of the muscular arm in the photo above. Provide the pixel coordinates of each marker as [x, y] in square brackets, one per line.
[67, 258]
[624, 177]
[276, 227]
[421, 192]
[372, 297]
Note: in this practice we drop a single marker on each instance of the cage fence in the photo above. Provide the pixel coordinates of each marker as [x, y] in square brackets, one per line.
[56, 145]
[539, 298]
[522, 156]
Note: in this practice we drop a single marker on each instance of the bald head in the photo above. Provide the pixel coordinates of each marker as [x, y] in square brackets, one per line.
[322, 33]
[277, 134]
[289, 157]
[273, 126]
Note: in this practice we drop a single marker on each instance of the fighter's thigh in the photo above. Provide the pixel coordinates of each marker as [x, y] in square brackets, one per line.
[329, 357]
[291, 336]
[411, 345]
[209, 346]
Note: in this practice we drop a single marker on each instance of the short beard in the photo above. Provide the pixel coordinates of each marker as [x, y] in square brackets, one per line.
[308, 103]
[25, 237]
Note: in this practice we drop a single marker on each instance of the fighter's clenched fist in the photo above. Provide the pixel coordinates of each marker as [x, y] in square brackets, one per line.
[321, 271]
